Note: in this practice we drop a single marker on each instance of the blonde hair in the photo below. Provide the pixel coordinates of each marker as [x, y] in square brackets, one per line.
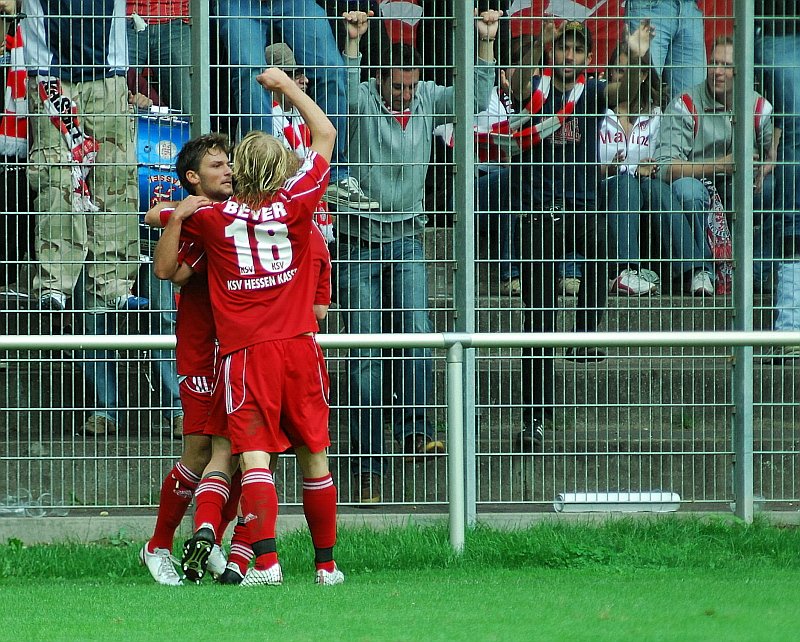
[261, 165]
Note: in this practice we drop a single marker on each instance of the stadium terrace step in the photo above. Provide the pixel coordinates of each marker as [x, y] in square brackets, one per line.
[86, 473]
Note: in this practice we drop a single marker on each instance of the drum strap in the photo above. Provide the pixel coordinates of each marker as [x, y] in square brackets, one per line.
[83, 148]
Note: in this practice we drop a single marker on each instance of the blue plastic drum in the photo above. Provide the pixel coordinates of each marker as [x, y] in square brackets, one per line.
[159, 139]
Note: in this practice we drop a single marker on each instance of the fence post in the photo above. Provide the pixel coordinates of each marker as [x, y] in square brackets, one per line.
[455, 444]
[464, 225]
[743, 105]
[201, 67]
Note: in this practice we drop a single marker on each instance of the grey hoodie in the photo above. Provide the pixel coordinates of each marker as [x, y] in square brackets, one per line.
[390, 162]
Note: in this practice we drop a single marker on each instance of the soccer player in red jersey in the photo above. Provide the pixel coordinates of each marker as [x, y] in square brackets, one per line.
[262, 286]
[203, 168]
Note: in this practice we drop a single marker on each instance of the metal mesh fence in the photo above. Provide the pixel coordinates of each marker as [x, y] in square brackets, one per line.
[603, 222]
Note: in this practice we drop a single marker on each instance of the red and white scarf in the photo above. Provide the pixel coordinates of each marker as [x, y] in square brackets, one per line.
[14, 124]
[83, 148]
[524, 130]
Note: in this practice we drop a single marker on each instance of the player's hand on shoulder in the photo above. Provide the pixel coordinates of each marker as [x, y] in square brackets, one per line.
[189, 206]
[153, 216]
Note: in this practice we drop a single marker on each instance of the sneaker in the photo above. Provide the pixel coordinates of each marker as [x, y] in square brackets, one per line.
[98, 425]
[196, 552]
[160, 565]
[177, 427]
[531, 439]
[347, 192]
[632, 283]
[779, 354]
[419, 445]
[702, 284]
[231, 575]
[216, 561]
[272, 576]
[131, 303]
[511, 287]
[370, 488]
[329, 578]
[569, 285]
[585, 354]
[53, 302]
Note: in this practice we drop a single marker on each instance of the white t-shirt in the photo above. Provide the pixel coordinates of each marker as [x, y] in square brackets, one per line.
[635, 147]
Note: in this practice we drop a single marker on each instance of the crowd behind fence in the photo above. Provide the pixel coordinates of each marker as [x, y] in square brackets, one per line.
[574, 172]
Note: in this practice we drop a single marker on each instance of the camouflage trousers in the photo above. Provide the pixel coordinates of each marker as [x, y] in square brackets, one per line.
[105, 244]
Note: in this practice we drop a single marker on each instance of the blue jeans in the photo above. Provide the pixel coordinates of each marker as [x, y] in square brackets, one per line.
[627, 197]
[780, 58]
[162, 316]
[365, 274]
[167, 49]
[100, 367]
[493, 201]
[681, 212]
[787, 296]
[246, 28]
[678, 49]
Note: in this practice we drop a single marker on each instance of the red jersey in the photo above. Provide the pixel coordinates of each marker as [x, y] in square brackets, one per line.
[194, 325]
[159, 11]
[261, 272]
[322, 266]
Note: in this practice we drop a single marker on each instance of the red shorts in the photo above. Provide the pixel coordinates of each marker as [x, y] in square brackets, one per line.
[196, 401]
[276, 396]
[217, 420]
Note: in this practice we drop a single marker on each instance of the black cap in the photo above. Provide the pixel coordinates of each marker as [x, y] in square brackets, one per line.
[579, 29]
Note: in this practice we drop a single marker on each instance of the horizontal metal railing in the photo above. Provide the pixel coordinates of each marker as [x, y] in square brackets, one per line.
[455, 343]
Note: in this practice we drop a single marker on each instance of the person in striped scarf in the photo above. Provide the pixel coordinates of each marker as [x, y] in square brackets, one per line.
[555, 177]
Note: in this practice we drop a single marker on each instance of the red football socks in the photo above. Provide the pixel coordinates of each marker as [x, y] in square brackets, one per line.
[176, 495]
[319, 506]
[260, 513]
[210, 497]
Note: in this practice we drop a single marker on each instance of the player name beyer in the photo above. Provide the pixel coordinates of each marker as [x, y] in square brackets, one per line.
[273, 212]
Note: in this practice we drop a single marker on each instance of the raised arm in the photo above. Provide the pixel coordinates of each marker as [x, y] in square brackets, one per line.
[486, 28]
[531, 63]
[323, 133]
[356, 24]
[638, 43]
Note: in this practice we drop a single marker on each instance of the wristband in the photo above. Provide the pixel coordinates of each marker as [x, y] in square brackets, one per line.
[163, 216]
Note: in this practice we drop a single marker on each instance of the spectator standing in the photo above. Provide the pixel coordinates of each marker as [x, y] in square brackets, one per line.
[83, 170]
[678, 50]
[382, 252]
[556, 177]
[159, 38]
[626, 146]
[778, 59]
[246, 27]
[695, 144]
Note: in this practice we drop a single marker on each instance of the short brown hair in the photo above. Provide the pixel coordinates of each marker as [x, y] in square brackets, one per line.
[193, 152]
